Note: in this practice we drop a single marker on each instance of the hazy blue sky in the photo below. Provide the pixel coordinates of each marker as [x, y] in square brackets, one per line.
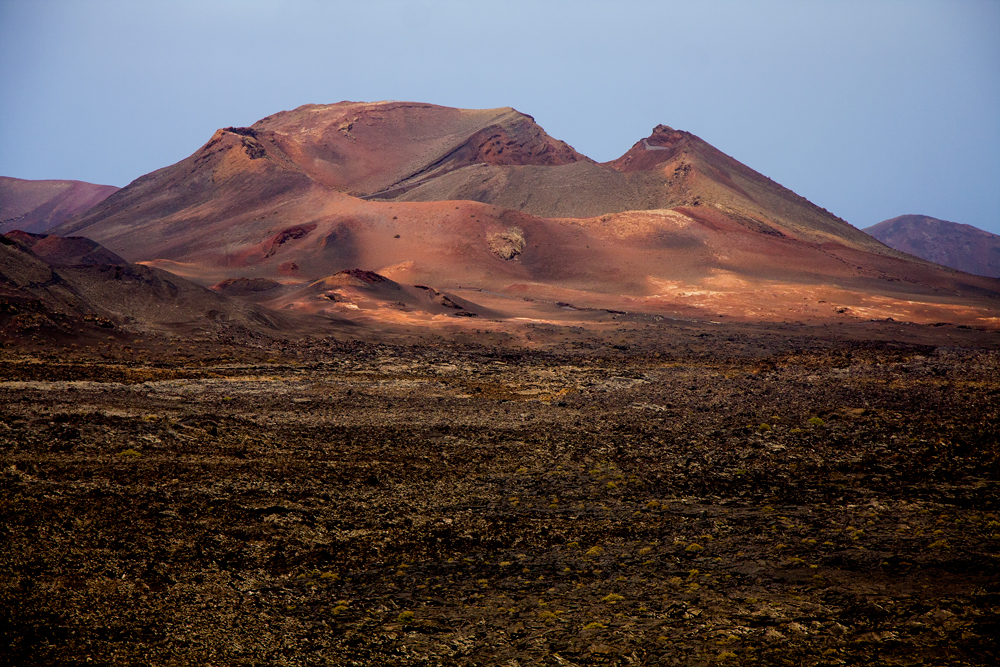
[870, 109]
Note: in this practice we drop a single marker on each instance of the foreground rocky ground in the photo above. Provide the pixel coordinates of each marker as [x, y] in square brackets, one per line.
[731, 498]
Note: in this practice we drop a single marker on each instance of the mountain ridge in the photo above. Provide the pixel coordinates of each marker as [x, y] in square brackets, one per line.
[356, 150]
[672, 225]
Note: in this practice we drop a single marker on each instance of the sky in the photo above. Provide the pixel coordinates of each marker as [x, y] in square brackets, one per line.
[871, 109]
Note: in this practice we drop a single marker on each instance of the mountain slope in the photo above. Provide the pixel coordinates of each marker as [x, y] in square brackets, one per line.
[250, 191]
[293, 163]
[36, 206]
[386, 148]
[951, 244]
[39, 294]
[669, 168]
[65, 250]
[674, 225]
[231, 180]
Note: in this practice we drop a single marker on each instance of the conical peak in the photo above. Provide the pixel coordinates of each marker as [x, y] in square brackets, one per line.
[658, 147]
[664, 136]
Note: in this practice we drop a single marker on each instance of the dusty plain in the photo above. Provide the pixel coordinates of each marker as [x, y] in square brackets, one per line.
[640, 491]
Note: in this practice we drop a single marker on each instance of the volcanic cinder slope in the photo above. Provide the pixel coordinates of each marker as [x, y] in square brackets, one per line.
[451, 198]
[36, 206]
[952, 244]
[65, 250]
[71, 288]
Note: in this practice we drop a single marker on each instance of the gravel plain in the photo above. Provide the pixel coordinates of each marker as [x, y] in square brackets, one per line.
[683, 499]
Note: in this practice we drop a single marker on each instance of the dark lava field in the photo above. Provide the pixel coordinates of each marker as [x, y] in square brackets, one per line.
[742, 498]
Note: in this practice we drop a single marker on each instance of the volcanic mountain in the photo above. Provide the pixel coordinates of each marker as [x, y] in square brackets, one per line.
[36, 206]
[959, 246]
[668, 169]
[457, 199]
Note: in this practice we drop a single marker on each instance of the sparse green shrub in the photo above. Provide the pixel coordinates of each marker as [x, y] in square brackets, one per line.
[694, 548]
[594, 551]
[594, 626]
[764, 427]
[130, 453]
[406, 617]
[612, 598]
[816, 421]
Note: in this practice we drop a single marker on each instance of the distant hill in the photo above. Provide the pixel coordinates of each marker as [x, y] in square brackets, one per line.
[951, 244]
[37, 206]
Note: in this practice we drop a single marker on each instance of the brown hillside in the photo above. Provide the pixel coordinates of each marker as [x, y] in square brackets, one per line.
[37, 295]
[669, 168]
[65, 250]
[952, 244]
[37, 206]
[233, 179]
